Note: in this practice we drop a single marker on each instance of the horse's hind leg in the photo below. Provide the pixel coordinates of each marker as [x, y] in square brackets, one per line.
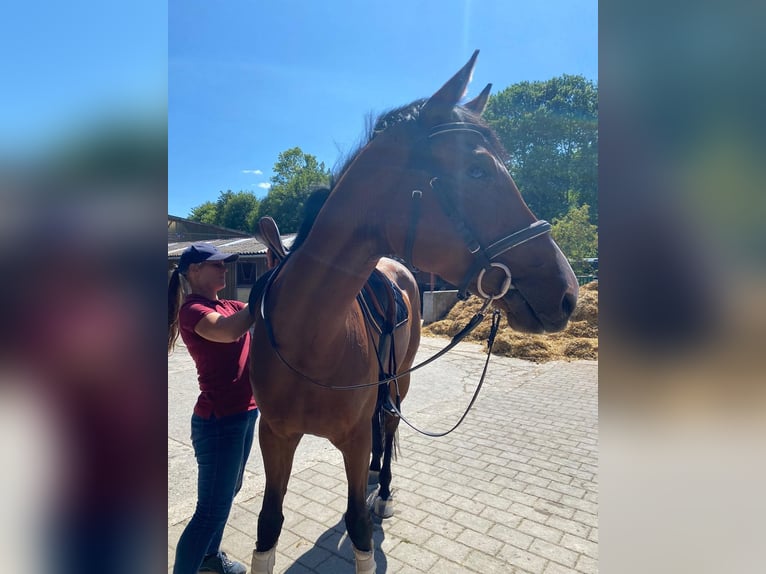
[377, 448]
[384, 506]
[384, 502]
[356, 456]
[278, 453]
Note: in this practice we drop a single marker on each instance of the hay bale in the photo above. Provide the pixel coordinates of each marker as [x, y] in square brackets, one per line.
[581, 349]
[582, 329]
[578, 341]
[532, 348]
[587, 307]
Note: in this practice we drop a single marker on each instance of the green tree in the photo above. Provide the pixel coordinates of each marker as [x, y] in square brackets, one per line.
[295, 175]
[205, 213]
[577, 237]
[236, 210]
[550, 130]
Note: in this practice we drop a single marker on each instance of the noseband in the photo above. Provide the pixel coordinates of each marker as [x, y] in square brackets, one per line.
[483, 256]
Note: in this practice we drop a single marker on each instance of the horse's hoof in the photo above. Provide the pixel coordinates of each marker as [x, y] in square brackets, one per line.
[373, 476]
[263, 562]
[365, 561]
[384, 508]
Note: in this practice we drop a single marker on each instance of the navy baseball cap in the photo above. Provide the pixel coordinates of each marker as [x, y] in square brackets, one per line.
[199, 252]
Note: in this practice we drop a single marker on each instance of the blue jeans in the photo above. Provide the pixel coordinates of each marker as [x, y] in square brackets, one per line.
[221, 446]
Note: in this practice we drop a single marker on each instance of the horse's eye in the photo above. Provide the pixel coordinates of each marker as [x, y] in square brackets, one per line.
[476, 172]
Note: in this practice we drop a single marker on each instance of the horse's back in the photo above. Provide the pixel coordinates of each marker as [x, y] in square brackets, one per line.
[405, 280]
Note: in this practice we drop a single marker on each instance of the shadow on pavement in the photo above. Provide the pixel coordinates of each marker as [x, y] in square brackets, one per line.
[338, 543]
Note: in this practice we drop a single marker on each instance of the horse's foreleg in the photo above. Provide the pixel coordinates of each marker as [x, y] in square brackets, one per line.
[277, 452]
[356, 456]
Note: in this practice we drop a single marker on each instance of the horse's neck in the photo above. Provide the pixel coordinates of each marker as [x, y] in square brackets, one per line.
[319, 283]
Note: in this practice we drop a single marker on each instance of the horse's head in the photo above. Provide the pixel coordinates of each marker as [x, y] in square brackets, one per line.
[456, 211]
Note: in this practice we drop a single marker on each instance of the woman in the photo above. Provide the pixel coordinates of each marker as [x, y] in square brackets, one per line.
[216, 335]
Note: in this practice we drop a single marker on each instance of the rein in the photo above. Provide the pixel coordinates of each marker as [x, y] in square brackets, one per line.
[470, 326]
[490, 344]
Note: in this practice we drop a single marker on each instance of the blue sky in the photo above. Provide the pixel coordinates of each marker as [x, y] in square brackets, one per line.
[250, 79]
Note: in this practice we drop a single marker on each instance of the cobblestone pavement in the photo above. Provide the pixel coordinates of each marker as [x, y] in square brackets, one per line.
[513, 489]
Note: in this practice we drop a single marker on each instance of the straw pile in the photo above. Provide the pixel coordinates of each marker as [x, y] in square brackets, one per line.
[578, 341]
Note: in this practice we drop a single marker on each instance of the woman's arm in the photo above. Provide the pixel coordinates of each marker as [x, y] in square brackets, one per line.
[219, 329]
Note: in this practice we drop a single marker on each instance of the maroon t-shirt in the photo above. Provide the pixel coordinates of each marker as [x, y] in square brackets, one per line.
[222, 368]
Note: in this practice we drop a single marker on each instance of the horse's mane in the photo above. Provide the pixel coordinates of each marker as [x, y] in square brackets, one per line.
[410, 113]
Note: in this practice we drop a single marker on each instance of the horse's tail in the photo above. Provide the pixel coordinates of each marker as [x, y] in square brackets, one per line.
[395, 449]
[379, 419]
[395, 422]
[379, 426]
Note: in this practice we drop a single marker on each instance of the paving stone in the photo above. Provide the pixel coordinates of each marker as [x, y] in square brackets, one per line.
[540, 531]
[554, 552]
[448, 548]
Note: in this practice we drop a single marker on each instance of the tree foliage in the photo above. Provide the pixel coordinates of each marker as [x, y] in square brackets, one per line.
[296, 174]
[577, 237]
[550, 130]
[234, 210]
[205, 213]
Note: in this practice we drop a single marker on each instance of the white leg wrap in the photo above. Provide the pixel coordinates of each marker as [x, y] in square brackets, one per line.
[365, 561]
[263, 562]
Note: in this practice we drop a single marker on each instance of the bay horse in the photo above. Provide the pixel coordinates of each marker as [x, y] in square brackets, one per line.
[384, 428]
[430, 187]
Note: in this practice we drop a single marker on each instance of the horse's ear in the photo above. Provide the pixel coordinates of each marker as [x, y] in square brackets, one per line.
[478, 104]
[450, 93]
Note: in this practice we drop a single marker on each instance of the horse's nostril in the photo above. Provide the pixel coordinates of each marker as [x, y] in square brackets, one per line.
[568, 304]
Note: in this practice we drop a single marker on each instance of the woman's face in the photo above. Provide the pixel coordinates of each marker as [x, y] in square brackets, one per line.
[208, 275]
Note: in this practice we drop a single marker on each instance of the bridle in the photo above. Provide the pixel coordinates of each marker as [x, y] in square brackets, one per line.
[483, 256]
[483, 262]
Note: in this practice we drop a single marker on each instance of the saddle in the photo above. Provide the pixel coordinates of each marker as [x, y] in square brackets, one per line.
[380, 300]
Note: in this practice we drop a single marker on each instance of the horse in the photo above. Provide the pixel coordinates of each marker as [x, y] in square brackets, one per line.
[430, 187]
[384, 428]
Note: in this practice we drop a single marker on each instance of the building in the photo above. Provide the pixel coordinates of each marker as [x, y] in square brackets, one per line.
[242, 273]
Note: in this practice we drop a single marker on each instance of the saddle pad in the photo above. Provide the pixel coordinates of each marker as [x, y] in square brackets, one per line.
[382, 303]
